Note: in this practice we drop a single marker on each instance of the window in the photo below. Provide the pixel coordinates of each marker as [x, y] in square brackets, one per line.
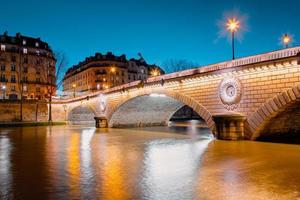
[38, 53]
[37, 71]
[38, 80]
[25, 70]
[25, 60]
[36, 44]
[142, 71]
[38, 89]
[13, 67]
[25, 88]
[25, 51]
[13, 88]
[98, 86]
[2, 47]
[25, 79]
[13, 78]
[3, 78]
[13, 58]
[24, 42]
[3, 67]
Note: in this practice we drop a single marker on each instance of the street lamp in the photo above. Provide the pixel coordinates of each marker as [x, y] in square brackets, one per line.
[286, 39]
[155, 72]
[113, 69]
[74, 87]
[3, 88]
[232, 25]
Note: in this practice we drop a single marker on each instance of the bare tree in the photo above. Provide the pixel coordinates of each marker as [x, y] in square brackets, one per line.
[54, 77]
[174, 65]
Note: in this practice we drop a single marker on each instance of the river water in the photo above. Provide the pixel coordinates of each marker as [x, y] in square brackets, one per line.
[76, 162]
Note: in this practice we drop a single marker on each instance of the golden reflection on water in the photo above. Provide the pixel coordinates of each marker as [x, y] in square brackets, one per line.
[113, 180]
[70, 162]
[73, 166]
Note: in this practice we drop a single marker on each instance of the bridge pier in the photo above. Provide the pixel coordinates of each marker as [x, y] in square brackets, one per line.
[101, 122]
[229, 126]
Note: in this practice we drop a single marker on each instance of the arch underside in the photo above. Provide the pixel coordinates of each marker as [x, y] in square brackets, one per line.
[81, 115]
[156, 111]
[284, 123]
[145, 110]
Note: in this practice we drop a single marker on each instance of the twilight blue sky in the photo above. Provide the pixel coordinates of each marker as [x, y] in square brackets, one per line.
[159, 29]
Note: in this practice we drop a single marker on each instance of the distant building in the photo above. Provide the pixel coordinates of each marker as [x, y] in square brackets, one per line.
[27, 67]
[101, 72]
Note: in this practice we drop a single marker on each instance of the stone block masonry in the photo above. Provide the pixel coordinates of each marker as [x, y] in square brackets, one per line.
[32, 111]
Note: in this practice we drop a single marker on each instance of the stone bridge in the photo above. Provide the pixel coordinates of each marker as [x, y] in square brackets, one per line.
[238, 99]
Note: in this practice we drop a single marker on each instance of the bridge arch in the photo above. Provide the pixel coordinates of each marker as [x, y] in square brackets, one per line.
[81, 114]
[278, 115]
[179, 100]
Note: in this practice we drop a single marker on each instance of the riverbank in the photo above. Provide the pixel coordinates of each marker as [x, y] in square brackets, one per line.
[26, 124]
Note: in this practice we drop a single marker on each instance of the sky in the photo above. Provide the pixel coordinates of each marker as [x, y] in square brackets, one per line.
[161, 30]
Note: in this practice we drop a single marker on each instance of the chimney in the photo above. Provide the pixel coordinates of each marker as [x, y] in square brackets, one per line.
[18, 35]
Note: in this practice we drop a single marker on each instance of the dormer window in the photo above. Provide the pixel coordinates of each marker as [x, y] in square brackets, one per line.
[2, 47]
[36, 44]
[25, 51]
[24, 42]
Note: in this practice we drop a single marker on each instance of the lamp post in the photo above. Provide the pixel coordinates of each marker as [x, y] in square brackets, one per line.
[286, 39]
[232, 25]
[3, 88]
[74, 88]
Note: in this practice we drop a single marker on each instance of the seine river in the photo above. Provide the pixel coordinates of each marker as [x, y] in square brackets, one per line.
[75, 162]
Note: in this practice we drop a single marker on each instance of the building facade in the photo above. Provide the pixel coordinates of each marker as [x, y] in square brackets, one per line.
[27, 68]
[100, 72]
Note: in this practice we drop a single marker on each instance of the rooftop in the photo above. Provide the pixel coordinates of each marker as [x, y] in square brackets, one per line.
[25, 41]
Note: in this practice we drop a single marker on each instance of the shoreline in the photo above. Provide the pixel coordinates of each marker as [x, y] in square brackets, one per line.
[28, 124]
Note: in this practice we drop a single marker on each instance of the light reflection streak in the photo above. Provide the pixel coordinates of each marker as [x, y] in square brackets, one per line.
[113, 180]
[168, 172]
[73, 167]
[87, 179]
[5, 168]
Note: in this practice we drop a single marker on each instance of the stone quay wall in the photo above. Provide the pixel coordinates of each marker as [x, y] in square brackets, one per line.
[32, 111]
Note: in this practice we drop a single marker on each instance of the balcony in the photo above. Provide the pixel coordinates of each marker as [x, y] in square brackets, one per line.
[101, 72]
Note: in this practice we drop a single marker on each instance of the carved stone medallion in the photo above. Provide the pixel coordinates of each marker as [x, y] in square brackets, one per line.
[230, 92]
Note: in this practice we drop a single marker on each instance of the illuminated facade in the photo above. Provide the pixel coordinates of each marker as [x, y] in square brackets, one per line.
[27, 68]
[101, 72]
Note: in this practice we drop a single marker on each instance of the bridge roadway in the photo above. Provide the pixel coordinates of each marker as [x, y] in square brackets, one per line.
[238, 99]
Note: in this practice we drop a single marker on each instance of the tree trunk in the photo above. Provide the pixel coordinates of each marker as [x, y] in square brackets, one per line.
[50, 108]
[21, 104]
[36, 110]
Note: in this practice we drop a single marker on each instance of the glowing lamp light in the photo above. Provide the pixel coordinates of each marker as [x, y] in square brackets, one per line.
[3, 87]
[113, 69]
[74, 85]
[286, 39]
[233, 25]
[155, 72]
